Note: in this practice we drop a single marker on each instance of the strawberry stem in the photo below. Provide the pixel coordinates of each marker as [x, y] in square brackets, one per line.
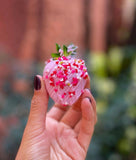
[66, 51]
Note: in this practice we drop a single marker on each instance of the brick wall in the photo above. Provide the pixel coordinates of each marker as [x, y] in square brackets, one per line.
[12, 24]
[62, 23]
[29, 29]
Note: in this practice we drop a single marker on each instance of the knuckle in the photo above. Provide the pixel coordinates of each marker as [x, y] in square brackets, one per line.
[35, 101]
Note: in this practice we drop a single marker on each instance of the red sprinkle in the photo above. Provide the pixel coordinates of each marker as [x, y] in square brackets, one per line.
[75, 81]
[55, 89]
[71, 94]
[64, 58]
[86, 76]
[46, 76]
[63, 95]
[81, 67]
[57, 62]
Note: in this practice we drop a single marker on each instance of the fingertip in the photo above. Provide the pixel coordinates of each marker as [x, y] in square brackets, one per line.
[88, 83]
[86, 107]
[39, 101]
[87, 91]
[87, 123]
[37, 82]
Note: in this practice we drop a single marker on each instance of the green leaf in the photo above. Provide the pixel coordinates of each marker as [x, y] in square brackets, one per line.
[57, 47]
[55, 55]
[65, 50]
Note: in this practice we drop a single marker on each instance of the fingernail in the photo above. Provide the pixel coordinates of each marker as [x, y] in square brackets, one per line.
[89, 99]
[37, 83]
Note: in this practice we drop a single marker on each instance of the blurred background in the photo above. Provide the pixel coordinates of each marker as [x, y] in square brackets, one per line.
[105, 31]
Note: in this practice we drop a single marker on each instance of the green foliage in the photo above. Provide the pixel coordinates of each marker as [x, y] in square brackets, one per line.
[58, 47]
[113, 81]
[55, 55]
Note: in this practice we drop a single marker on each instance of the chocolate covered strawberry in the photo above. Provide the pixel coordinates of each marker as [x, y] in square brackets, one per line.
[65, 77]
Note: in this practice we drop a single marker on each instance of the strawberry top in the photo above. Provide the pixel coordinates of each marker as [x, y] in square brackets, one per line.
[66, 51]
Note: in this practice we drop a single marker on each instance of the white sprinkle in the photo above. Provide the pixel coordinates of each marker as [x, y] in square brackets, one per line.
[66, 103]
[47, 70]
[79, 78]
[70, 85]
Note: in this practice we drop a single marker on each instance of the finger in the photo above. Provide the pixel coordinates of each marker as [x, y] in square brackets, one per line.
[87, 124]
[77, 127]
[88, 94]
[88, 85]
[39, 105]
[57, 112]
[71, 117]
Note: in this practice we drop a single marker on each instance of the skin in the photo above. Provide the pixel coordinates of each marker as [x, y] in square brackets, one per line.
[64, 133]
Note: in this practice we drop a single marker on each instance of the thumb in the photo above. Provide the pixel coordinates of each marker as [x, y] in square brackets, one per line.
[39, 105]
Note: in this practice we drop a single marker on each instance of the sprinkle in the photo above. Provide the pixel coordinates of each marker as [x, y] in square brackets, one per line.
[59, 59]
[52, 84]
[78, 77]
[65, 66]
[66, 72]
[71, 94]
[60, 74]
[66, 103]
[81, 67]
[67, 83]
[53, 73]
[55, 89]
[65, 77]
[86, 76]
[49, 61]
[46, 76]
[61, 84]
[57, 62]
[73, 71]
[63, 95]
[64, 58]
[79, 61]
[51, 79]
[57, 83]
[75, 81]
[61, 62]
[82, 91]
[61, 79]
[76, 70]
[74, 64]
[47, 70]
[83, 73]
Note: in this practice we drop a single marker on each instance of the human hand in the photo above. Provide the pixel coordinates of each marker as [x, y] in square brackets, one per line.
[60, 134]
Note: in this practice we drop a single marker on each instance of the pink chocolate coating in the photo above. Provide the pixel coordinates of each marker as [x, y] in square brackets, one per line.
[65, 79]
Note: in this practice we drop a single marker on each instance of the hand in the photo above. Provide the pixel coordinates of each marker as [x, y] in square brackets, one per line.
[61, 134]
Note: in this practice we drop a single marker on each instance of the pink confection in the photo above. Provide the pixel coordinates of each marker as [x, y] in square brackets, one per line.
[65, 79]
